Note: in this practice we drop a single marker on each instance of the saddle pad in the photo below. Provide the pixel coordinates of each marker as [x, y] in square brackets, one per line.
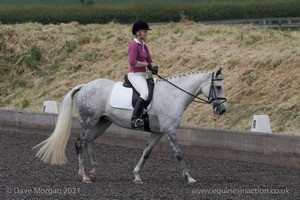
[121, 97]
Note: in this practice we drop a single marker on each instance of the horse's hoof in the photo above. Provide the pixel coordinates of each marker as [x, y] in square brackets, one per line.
[191, 180]
[92, 176]
[138, 181]
[87, 181]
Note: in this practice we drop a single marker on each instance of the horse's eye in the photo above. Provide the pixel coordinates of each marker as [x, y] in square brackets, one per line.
[218, 87]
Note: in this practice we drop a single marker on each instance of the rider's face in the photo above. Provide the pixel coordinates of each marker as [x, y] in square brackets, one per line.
[143, 34]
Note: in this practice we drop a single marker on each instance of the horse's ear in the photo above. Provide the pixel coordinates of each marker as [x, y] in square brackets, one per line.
[218, 73]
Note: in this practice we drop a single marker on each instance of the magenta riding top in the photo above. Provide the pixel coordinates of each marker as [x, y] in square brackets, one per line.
[138, 51]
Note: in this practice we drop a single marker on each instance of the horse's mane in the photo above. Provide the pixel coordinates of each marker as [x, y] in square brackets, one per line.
[186, 74]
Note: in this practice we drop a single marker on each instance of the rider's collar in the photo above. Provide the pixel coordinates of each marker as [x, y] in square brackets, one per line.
[142, 44]
[137, 41]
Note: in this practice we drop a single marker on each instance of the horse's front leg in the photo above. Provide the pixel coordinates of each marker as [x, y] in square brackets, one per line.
[152, 141]
[172, 137]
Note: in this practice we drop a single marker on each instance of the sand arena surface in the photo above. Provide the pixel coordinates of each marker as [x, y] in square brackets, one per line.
[25, 177]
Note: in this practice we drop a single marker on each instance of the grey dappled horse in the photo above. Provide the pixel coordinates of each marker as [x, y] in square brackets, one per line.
[96, 115]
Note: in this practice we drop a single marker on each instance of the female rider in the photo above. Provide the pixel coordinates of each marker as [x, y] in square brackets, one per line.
[139, 60]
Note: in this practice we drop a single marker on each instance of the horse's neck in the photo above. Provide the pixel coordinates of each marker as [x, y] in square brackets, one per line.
[190, 83]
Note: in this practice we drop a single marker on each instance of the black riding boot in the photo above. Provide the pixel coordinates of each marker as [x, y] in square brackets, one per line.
[136, 121]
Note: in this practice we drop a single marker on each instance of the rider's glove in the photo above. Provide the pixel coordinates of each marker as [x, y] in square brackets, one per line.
[153, 69]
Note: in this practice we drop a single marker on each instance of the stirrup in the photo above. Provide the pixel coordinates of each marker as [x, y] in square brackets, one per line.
[137, 123]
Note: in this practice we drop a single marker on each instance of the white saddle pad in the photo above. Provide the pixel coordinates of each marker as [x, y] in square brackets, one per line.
[121, 97]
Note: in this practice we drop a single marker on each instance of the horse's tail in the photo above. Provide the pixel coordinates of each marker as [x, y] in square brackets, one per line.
[52, 150]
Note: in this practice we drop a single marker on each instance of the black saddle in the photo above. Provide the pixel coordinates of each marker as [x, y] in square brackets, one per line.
[135, 94]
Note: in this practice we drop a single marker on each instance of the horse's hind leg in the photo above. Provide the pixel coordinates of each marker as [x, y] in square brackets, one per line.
[172, 137]
[92, 173]
[152, 141]
[88, 134]
[80, 145]
[101, 126]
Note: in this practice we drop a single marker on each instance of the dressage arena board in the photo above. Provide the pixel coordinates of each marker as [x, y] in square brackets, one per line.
[25, 177]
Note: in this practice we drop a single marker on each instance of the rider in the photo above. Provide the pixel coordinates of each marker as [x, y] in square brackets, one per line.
[139, 60]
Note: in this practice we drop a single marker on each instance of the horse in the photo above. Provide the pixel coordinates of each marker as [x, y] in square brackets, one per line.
[170, 99]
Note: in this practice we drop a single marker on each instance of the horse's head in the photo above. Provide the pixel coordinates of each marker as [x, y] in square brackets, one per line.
[213, 89]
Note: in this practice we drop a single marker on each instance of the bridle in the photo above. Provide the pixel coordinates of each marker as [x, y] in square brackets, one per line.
[212, 92]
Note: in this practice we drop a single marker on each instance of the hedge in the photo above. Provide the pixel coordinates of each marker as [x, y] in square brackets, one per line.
[150, 12]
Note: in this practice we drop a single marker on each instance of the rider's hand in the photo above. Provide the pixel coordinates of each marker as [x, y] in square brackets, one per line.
[150, 67]
[154, 70]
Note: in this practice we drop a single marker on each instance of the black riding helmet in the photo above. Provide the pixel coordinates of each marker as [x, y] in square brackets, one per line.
[140, 25]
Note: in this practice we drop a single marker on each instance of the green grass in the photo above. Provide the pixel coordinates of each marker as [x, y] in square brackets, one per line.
[24, 104]
[251, 80]
[36, 53]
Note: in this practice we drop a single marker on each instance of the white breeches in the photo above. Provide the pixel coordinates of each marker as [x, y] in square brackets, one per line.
[138, 80]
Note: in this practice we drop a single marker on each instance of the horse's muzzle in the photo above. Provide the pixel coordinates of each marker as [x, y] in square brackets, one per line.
[219, 111]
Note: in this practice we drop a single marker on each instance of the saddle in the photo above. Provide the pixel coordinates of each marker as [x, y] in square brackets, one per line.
[135, 94]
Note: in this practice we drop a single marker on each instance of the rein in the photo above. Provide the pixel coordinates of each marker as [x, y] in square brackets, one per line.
[201, 100]
[212, 93]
